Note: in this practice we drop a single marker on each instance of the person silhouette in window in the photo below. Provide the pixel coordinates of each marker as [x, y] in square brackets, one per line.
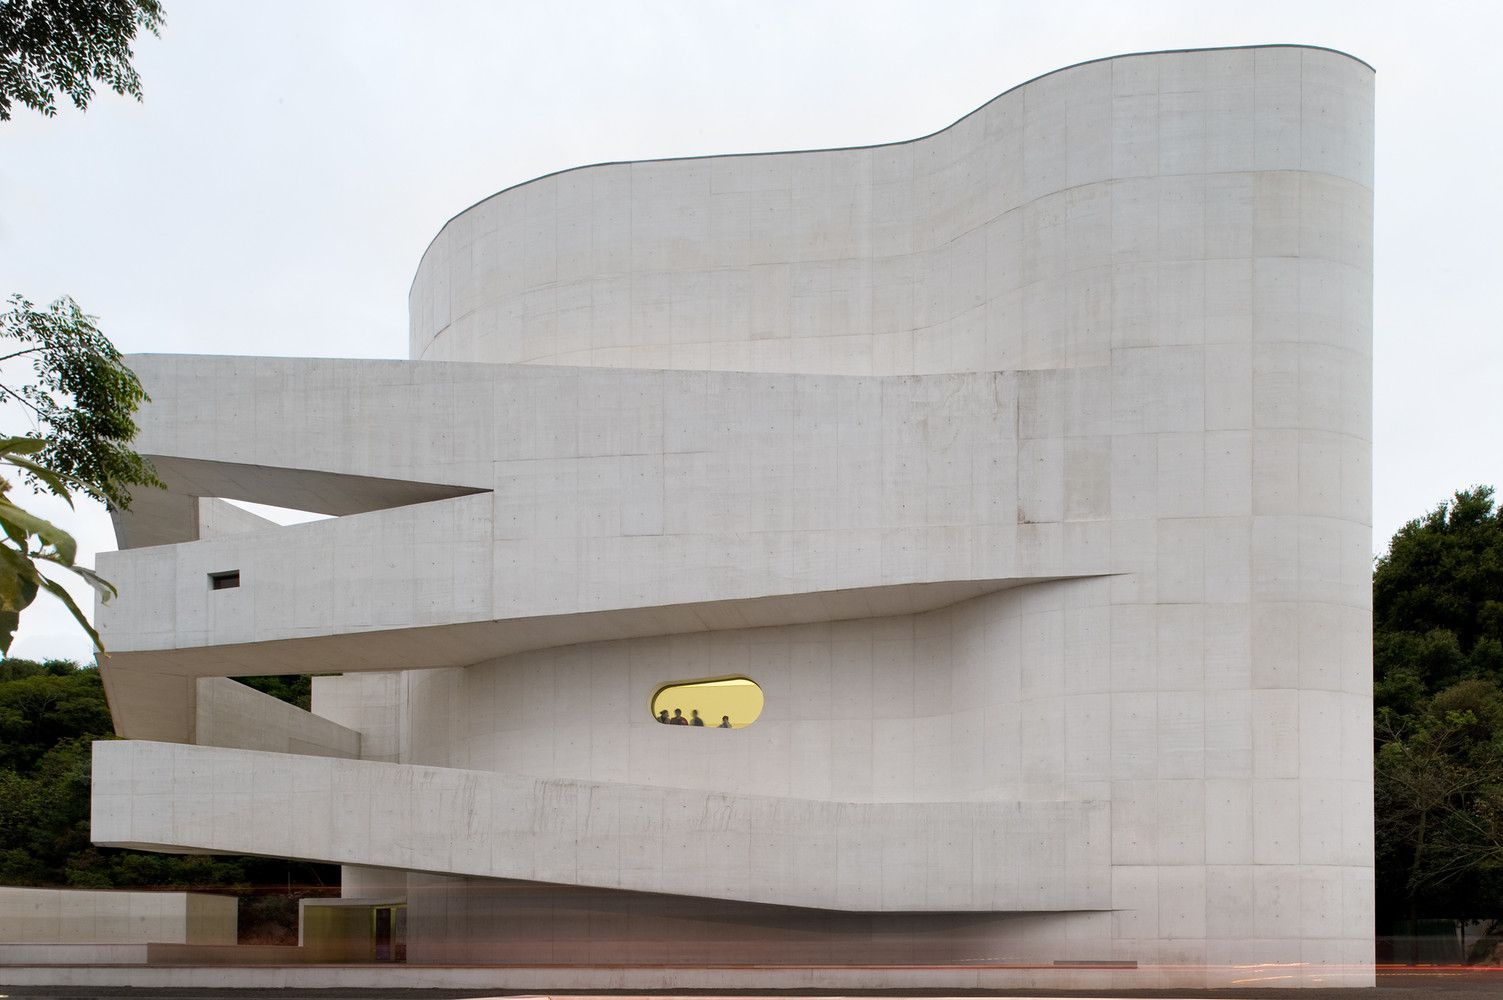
[696, 720]
[725, 722]
[663, 717]
[678, 718]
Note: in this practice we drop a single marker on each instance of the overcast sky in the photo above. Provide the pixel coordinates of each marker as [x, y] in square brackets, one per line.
[291, 160]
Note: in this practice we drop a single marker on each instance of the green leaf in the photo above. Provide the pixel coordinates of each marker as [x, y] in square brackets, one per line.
[21, 445]
[52, 480]
[19, 524]
[19, 580]
[9, 622]
[60, 592]
[101, 586]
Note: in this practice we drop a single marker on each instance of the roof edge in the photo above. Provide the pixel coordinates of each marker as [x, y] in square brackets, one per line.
[873, 145]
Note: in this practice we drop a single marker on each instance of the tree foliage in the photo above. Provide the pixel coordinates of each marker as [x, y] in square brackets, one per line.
[82, 397]
[45, 705]
[52, 47]
[295, 689]
[1438, 673]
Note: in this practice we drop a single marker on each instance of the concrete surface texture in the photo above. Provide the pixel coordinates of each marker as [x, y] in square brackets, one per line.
[1025, 467]
[72, 917]
[231, 714]
[1002, 856]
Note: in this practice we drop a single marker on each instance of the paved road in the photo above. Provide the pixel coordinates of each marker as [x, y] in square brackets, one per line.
[1393, 984]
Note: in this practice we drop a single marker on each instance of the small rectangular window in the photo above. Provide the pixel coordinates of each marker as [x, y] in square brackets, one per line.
[224, 581]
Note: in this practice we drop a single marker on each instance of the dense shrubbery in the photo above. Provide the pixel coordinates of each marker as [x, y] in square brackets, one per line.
[1438, 693]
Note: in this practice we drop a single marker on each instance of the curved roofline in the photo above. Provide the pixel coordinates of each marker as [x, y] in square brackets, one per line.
[871, 145]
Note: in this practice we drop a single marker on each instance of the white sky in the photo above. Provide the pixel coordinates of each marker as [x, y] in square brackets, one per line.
[291, 161]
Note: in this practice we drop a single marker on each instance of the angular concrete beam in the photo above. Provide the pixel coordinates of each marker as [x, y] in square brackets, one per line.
[176, 513]
[231, 714]
[152, 697]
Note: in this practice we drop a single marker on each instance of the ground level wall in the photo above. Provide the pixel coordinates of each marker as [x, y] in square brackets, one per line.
[115, 917]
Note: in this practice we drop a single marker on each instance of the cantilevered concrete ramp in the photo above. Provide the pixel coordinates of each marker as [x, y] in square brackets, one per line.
[892, 856]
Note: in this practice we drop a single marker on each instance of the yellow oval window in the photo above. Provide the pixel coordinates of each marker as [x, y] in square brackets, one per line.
[712, 703]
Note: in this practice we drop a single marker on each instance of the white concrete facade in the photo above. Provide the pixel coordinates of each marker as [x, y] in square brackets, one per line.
[1025, 467]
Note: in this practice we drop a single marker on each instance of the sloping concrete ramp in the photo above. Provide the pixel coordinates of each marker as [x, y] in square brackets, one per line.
[889, 856]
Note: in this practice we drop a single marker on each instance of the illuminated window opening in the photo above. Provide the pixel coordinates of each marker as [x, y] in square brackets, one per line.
[721, 702]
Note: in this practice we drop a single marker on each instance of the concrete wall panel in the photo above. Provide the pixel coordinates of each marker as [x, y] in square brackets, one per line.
[84, 916]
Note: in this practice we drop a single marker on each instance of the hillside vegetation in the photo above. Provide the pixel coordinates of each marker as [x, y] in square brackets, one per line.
[1438, 701]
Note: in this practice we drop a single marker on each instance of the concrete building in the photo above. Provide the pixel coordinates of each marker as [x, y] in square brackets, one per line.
[1023, 468]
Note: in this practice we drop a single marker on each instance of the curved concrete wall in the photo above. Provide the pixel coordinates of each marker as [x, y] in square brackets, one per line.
[1167, 198]
[1040, 692]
